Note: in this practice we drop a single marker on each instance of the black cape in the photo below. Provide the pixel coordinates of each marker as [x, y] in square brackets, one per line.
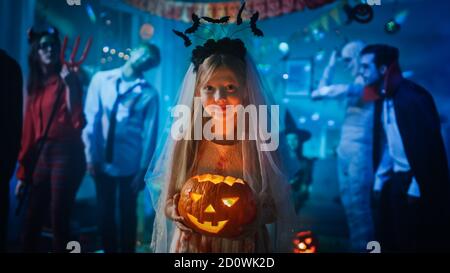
[419, 125]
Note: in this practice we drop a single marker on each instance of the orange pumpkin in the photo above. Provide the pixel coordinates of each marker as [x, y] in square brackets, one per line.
[216, 205]
[305, 242]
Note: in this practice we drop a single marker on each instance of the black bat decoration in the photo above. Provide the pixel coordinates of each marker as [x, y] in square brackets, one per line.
[195, 25]
[187, 41]
[239, 16]
[222, 20]
[253, 26]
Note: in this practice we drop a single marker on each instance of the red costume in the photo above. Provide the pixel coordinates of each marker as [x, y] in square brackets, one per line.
[61, 164]
[66, 126]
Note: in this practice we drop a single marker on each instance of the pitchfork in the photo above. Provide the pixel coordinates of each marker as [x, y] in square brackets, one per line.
[71, 63]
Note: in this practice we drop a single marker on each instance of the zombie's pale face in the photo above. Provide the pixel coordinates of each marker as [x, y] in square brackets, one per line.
[222, 89]
[48, 50]
[292, 142]
[368, 70]
[350, 54]
[142, 59]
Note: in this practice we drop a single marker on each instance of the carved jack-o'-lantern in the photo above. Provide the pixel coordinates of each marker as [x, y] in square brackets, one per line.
[215, 205]
[305, 242]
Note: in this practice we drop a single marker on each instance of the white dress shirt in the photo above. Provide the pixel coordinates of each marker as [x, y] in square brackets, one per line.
[394, 157]
[136, 126]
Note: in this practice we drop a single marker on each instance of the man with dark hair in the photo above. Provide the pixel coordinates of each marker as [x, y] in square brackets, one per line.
[11, 128]
[120, 137]
[412, 179]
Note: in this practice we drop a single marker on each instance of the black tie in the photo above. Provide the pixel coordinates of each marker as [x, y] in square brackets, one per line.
[109, 153]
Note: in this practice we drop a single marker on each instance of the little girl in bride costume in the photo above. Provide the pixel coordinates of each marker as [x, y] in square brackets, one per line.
[221, 76]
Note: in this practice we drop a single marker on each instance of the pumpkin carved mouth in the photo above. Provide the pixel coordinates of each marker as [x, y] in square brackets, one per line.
[207, 226]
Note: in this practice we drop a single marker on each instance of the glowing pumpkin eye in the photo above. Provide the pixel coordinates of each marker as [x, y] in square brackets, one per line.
[302, 246]
[229, 202]
[210, 209]
[195, 196]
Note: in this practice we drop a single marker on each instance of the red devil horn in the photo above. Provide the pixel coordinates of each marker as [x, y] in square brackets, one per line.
[75, 49]
[85, 52]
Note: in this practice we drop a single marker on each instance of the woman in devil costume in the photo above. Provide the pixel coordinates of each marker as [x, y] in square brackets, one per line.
[51, 159]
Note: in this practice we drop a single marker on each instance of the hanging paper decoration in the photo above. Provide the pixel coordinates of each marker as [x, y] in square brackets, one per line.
[287, 6]
[273, 8]
[331, 21]
[182, 10]
[334, 14]
[324, 23]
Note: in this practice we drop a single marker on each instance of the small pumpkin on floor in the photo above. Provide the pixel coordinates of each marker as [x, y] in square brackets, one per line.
[305, 242]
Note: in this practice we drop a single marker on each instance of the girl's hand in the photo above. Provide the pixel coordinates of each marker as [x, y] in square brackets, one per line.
[172, 213]
[75, 90]
[69, 76]
[64, 72]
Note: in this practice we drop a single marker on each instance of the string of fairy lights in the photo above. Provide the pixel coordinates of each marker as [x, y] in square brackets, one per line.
[111, 54]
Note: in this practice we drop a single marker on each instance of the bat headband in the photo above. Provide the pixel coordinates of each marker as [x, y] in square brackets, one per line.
[228, 46]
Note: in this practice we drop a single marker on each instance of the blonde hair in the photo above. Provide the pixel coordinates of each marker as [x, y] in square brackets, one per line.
[215, 61]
